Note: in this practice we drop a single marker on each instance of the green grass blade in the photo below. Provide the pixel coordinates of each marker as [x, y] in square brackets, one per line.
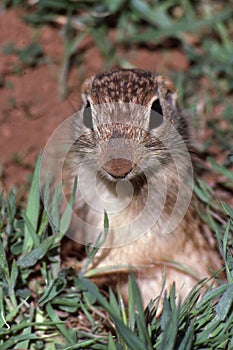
[68, 334]
[129, 337]
[67, 215]
[221, 169]
[111, 344]
[36, 254]
[33, 208]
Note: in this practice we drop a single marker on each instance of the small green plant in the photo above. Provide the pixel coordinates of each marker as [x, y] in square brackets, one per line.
[31, 55]
[12, 103]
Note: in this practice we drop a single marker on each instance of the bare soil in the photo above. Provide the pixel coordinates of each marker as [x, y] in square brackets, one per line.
[30, 103]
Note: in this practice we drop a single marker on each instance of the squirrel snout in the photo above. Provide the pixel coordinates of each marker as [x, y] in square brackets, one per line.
[117, 158]
[119, 168]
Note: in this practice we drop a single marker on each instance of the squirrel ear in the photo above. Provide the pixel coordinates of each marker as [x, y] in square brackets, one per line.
[172, 99]
[167, 90]
[86, 89]
[87, 85]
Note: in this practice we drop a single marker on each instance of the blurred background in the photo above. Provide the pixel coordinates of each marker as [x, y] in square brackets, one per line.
[49, 47]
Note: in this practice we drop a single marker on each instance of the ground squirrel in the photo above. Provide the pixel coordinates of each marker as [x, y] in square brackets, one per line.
[130, 153]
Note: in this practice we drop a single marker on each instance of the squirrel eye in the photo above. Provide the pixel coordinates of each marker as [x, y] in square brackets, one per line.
[87, 116]
[156, 115]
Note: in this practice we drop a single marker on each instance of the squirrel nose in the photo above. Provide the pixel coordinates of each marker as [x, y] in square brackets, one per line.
[119, 168]
[117, 157]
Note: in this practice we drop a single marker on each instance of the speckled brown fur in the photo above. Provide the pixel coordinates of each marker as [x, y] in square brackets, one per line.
[188, 244]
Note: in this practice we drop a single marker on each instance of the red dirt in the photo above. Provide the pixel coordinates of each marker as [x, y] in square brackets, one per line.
[30, 106]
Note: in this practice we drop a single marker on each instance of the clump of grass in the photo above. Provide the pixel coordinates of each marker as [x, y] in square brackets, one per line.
[43, 306]
[33, 287]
